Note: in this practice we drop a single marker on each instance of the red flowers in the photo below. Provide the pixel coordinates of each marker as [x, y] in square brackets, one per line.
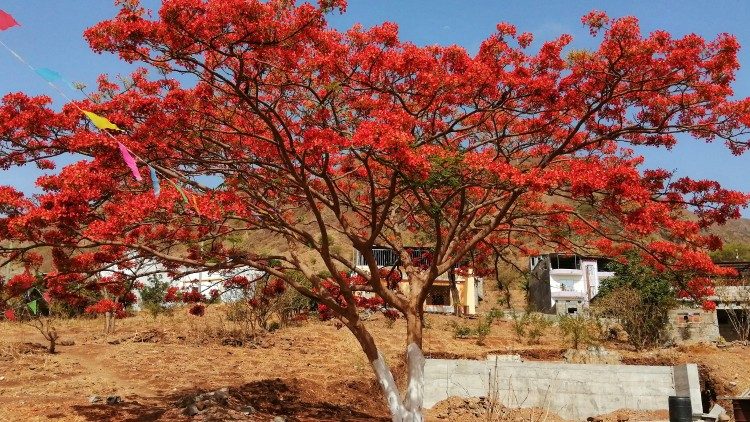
[197, 309]
[193, 296]
[274, 287]
[595, 20]
[238, 281]
[172, 295]
[708, 305]
[9, 314]
[20, 283]
[392, 314]
[104, 306]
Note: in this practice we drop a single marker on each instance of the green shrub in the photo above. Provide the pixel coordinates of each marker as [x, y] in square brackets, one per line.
[152, 296]
[462, 330]
[530, 326]
[484, 325]
[579, 330]
[640, 298]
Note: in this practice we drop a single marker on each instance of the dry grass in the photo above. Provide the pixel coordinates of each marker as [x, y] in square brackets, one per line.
[309, 372]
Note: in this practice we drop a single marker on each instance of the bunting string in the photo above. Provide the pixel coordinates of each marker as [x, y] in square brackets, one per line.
[100, 122]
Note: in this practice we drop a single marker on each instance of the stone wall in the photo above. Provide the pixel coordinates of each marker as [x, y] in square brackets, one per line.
[693, 325]
[574, 391]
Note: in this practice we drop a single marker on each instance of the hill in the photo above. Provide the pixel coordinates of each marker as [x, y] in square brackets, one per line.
[735, 231]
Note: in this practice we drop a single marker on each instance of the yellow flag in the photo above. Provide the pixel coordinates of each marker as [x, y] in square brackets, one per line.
[100, 122]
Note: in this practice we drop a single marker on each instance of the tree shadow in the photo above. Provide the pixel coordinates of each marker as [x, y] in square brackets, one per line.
[269, 398]
[128, 411]
[277, 397]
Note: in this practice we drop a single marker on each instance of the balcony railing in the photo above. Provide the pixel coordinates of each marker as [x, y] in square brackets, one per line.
[386, 257]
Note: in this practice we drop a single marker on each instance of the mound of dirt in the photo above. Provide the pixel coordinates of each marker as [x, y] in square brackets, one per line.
[482, 410]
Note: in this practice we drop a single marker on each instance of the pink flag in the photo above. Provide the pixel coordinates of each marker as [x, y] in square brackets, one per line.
[6, 21]
[130, 161]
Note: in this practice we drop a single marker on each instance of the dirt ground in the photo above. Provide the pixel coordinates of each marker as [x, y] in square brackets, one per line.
[310, 372]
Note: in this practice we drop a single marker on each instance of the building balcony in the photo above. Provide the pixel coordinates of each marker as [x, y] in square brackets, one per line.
[566, 271]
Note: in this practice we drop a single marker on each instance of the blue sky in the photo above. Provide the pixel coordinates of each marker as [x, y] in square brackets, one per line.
[51, 36]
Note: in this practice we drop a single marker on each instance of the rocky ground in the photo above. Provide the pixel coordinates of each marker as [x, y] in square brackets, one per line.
[184, 368]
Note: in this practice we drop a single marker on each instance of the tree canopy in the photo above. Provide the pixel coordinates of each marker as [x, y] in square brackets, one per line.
[331, 141]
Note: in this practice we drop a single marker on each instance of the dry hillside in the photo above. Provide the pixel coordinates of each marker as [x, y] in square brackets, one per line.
[309, 372]
[735, 231]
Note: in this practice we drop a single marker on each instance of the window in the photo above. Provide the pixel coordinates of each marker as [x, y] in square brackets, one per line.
[565, 262]
[439, 296]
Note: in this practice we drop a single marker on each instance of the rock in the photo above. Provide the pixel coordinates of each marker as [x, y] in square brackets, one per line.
[201, 405]
[191, 410]
[95, 399]
[66, 343]
[2, 378]
[594, 419]
[733, 383]
[186, 401]
[247, 410]
[114, 400]
[724, 418]
[279, 419]
[623, 418]
[222, 395]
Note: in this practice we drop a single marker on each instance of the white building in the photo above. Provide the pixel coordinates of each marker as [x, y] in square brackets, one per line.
[565, 284]
[187, 278]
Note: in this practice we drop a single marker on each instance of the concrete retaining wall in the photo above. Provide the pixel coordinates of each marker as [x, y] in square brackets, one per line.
[574, 391]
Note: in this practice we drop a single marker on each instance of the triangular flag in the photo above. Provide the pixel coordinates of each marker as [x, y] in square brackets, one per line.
[6, 21]
[184, 197]
[48, 75]
[154, 181]
[130, 161]
[100, 122]
[34, 306]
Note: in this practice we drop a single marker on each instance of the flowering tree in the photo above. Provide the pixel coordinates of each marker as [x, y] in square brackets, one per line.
[286, 130]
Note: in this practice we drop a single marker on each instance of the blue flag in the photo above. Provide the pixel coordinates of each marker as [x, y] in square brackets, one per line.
[154, 181]
[49, 75]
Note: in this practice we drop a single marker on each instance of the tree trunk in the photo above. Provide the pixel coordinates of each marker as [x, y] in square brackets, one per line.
[410, 408]
[51, 336]
[455, 296]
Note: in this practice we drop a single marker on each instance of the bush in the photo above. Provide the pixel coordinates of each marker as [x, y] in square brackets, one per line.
[480, 331]
[266, 304]
[645, 323]
[579, 330]
[640, 298]
[530, 326]
[461, 330]
[484, 325]
[153, 296]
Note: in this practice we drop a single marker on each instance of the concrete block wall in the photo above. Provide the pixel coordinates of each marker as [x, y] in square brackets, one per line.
[574, 391]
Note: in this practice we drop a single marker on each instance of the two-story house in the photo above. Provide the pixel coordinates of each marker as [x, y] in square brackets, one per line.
[565, 284]
[440, 299]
